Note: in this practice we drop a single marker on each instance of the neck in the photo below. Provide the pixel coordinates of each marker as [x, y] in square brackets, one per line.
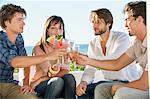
[12, 36]
[141, 35]
[104, 37]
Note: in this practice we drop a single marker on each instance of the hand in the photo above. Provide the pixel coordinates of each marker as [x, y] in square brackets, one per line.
[82, 59]
[56, 54]
[81, 88]
[114, 88]
[26, 89]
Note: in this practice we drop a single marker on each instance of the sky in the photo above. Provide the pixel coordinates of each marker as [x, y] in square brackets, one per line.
[75, 14]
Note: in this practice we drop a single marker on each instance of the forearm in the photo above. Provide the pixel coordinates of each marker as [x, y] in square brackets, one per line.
[112, 65]
[26, 61]
[26, 76]
[104, 64]
[141, 84]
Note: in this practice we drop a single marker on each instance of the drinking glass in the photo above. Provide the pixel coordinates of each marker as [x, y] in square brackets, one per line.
[73, 54]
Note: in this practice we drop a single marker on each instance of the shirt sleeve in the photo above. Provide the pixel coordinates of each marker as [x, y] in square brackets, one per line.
[89, 72]
[130, 52]
[6, 55]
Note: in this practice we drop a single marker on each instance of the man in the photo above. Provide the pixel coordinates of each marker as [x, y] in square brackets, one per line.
[135, 22]
[106, 44]
[13, 54]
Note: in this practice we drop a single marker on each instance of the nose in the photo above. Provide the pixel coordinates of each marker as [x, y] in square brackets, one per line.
[23, 22]
[125, 23]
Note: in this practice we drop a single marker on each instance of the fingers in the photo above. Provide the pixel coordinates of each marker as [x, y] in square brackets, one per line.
[26, 89]
[80, 90]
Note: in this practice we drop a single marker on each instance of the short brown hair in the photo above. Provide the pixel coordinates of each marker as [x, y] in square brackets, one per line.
[7, 13]
[136, 8]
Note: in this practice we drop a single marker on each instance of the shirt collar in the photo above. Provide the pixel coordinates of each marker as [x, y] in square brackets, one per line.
[144, 43]
[18, 39]
[109, 41]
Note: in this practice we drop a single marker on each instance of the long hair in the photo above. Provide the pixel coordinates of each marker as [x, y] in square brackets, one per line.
[52, 20]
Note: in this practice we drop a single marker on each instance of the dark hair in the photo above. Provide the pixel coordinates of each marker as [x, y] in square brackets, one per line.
[8, 11]
[104, 14]
[136, 8]
[52, 20]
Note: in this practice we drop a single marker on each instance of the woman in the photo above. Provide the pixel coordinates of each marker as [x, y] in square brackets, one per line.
[49, 82]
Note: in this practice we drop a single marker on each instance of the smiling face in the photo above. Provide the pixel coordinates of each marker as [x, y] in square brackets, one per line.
[55, 29]
[132, 24]
[16, 24]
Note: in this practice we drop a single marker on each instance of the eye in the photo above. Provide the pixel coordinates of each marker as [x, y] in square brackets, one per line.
[52, 28]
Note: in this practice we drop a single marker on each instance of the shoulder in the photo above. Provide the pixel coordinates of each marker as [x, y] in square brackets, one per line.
[2, 36]
[95, 39]
[120, 35]
[36, 48]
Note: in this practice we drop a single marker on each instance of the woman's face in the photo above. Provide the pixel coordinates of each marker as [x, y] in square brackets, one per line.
[55, 29]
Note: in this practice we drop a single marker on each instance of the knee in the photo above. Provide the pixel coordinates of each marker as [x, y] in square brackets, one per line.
[98, 90]
[69, 78]
[56, 81]
[28, 96]
[119, 95]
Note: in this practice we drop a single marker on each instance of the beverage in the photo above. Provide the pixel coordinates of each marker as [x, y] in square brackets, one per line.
[54, 69]
[73, 55]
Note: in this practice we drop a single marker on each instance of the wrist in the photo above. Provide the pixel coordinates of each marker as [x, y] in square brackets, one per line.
[88, 62]
[46, 58]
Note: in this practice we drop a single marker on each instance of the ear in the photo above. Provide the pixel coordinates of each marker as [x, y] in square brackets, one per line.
[140, 19]
[108, 24]
[7, 23]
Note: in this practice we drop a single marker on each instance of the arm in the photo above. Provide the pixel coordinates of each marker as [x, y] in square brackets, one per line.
[26, 88]
[25, 61]
[26, 76]
[113, 65]
[141, 84]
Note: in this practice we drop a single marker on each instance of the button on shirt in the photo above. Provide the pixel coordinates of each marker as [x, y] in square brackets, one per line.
[138, 51]
[116, 45]
[7, 52]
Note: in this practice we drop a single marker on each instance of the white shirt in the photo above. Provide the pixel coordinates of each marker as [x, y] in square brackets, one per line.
[116, 45]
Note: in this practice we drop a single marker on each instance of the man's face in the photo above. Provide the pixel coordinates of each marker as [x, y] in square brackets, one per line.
[16, 24]
[99, 26]
[131, 24]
